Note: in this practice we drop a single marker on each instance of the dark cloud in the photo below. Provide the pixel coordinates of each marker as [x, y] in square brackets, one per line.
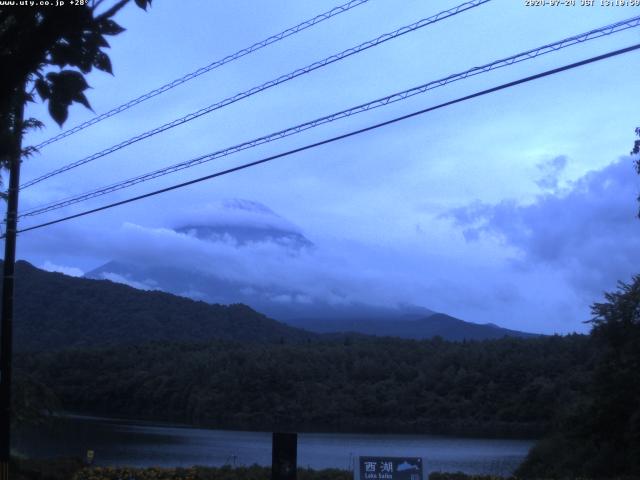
[551, 171]
[588, 231]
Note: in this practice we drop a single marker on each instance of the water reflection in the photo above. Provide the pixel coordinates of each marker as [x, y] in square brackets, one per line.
[123, 442]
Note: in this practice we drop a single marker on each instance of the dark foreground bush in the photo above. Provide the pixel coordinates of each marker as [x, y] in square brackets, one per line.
[73, 469]
[202, 473]
[50, 469]
[462, 476]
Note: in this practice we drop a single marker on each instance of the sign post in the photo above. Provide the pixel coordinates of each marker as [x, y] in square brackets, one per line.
[389, 468]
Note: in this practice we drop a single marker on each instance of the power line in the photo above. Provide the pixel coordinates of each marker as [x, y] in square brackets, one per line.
[530, 54]
[272, 83]
[341, 137]
[207, 68]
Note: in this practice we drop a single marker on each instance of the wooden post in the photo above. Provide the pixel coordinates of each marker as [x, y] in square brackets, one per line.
[284, 456]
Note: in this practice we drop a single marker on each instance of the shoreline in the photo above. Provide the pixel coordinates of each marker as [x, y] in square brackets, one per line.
[330, 430]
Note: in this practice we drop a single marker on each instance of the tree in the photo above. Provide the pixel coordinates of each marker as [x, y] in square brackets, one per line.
[616, 389]
[34, 41]
[45, 50]
[634, 151]
[600, 437]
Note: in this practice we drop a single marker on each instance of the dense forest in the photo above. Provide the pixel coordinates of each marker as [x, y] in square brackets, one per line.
[508, 387]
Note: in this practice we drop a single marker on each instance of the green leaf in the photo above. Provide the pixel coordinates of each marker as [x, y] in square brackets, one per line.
[42, 87]
[58, 111]
[102, 62]
[29, 151]
[143, 3]
[66, 87]
[71, 81]
[109, 27]
[81, 98]
[101, 41]
[64, 54]
[85, 62]
[32, 124]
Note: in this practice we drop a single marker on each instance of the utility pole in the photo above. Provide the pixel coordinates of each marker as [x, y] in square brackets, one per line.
[6, 327]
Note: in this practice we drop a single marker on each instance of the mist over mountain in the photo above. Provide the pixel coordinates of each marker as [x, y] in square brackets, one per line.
[277, 302]
[250, 255]
[246, 234]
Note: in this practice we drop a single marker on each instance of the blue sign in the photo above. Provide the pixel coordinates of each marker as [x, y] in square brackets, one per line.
[390, 468]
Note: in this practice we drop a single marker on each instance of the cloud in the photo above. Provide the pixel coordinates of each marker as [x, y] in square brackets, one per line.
[117, 278]
[52, 267]
[303, 274]
[551, 170]
[588, 231]
[342, 273]
[338, 273]
[477, 281]
[228, 212]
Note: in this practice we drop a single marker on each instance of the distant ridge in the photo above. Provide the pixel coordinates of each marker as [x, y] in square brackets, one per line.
[242, 224]
[406, 321]
[411, 327]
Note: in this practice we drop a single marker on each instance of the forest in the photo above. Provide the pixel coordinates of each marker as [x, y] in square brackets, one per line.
[78, 312]
[508, 387]
[579, 394]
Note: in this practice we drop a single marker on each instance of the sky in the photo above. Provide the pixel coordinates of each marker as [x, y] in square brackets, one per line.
[516, 208]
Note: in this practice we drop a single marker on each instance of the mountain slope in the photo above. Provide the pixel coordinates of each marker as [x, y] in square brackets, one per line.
[410, 327]
[241, 251]
[284, 304]
[54, 311]
[405, 322]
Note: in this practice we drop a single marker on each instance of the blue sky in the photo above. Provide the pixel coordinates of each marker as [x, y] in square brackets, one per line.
[516, 208]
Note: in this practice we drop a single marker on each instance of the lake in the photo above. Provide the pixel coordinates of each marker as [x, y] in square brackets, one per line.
[140, 444]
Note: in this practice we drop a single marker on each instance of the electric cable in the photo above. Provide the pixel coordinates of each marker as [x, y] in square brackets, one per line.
[340, 137]
[272, 83]
[395, 97]
[207, 68]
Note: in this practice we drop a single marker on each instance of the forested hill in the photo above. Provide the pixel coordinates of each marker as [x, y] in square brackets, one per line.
[507, 387]
[55, 311]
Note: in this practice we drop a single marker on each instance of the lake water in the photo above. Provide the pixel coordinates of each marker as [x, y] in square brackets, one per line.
[125, 442]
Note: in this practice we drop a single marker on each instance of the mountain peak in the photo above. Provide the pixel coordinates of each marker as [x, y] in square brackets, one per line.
[248, 205]
[241, 221]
